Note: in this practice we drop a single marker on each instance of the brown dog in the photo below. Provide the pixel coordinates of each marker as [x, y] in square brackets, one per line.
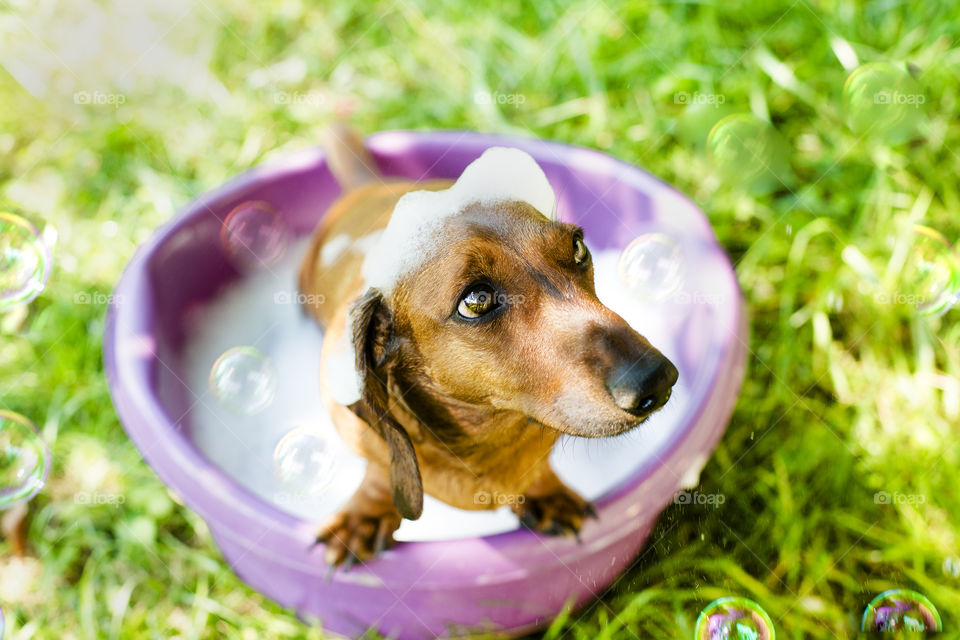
[462, 337]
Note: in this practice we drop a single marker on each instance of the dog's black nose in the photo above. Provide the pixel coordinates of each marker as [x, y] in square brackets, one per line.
[642, 386]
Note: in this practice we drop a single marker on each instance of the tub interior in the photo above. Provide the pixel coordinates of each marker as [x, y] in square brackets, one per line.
[204, 306]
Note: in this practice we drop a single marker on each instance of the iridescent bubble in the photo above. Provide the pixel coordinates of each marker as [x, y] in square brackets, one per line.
[734, 619]
[901, 610]
[24, 261]
[931, 273]
[244, 380]
[303, 461]
[652, 266]
[24, 460]
[882, 99]
[749, 151]
[254, 235]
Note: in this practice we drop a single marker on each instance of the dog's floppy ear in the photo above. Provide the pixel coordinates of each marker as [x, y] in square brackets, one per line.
[375, 347]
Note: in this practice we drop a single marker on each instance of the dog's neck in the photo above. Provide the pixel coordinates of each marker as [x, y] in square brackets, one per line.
[467, 430]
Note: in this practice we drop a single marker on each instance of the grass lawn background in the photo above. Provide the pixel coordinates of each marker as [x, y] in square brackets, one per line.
[845, 395]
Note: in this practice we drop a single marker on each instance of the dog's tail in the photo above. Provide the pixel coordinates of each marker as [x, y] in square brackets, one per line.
[349, 161]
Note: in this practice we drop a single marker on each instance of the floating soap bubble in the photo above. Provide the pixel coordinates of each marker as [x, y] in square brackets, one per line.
[24, 460]
[734, 619]
[652, 266]
[24, 261]
[882, 99]
[931, 273]
[244, 380]
[303, 461]
[748, 150]
[900, 610]
[254, 235]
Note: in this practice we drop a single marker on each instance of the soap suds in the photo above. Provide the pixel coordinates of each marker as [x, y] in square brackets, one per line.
[333, 248]
[412, 237]
[336, 246]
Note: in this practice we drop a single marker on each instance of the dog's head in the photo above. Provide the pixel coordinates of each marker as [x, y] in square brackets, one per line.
[495, 309]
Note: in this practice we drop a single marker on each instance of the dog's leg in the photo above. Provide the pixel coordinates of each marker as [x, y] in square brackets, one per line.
[364, 526]
[551, 507]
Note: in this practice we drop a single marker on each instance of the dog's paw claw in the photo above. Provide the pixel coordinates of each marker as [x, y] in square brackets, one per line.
[556, 514]
[352, 537]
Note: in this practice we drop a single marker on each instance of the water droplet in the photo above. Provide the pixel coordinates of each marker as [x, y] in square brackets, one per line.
[24, 460]
[749, 151]
[931, 274]
[652, 266]
[734, 619]
[883, 100]
[24, 262]
[244, 380]
[254, 235]
[303, 461]
[900, 610]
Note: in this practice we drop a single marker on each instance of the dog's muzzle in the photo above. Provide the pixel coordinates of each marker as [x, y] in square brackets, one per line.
[642, 386]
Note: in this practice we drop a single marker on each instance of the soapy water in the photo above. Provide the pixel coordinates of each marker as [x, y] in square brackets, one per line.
[24, 460]
[24, 261]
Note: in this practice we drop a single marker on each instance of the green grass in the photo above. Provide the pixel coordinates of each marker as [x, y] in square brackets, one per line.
[840, 399]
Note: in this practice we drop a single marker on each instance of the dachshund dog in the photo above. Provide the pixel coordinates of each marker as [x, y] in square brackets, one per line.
[463, 335]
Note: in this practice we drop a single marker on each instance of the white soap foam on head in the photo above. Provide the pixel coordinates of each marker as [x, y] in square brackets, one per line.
[411, 237]
[247, 313]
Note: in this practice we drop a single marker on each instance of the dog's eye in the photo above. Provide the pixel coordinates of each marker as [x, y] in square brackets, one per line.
[477, 302]
[580, 251]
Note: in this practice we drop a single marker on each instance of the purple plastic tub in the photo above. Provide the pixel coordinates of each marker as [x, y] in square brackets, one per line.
[511, 582]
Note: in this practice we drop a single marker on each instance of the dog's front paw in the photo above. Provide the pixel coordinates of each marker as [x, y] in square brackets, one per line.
[354, 536]
[557, 513]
